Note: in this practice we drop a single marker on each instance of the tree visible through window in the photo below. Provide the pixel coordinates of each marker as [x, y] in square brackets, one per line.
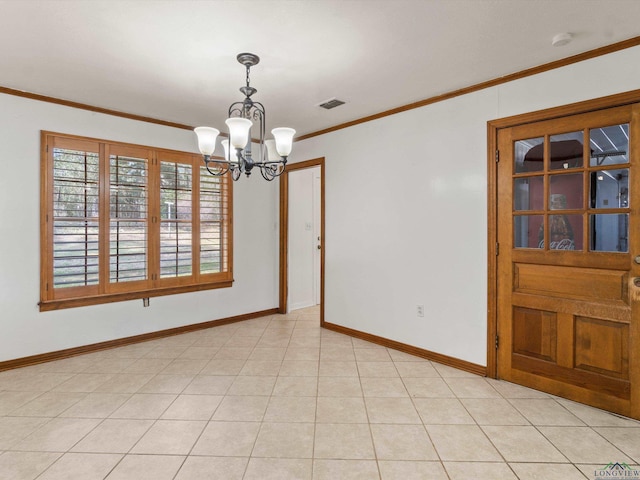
[128, 199]
[75, 218]
[175, 219]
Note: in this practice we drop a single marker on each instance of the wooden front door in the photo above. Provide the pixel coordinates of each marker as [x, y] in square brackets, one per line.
[568, 265]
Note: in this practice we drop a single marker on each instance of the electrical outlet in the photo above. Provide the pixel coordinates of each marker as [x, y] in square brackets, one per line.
[420, 310]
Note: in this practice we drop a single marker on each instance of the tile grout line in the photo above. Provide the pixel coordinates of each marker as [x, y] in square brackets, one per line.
[262, 422]
[353, 349]
[366, 411]
[413, 403]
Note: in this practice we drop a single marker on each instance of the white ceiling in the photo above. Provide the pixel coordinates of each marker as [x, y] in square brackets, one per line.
[175, 60]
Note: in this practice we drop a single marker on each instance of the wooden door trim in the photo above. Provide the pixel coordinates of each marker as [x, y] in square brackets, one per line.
[284, 232]
[586, 106]
[492, 251]
[634, 328]
[493, 127]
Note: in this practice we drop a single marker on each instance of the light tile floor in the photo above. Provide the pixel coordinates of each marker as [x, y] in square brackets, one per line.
[279, 398]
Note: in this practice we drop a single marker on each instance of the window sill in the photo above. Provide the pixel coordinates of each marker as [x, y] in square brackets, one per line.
[49, 305]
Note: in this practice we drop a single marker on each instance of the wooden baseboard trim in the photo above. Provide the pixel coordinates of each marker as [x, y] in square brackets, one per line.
[403, 347]
[121, 342]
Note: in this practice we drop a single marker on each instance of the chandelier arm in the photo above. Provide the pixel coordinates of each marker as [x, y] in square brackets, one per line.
[223, 166]
[280, 172]
[271, 162]
[219, 173]
[267, 178]
[235, 173]
[272, 170]
[236, 108]
[207, 159]
[268, 173]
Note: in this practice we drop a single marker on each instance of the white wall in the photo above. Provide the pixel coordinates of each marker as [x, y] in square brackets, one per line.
[406, 207]
[23, 329]
[405, 219]
[302, 241]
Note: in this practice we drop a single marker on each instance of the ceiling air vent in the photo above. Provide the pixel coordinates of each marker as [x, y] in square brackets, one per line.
[331, 103]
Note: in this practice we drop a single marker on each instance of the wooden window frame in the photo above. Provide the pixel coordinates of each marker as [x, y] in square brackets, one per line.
[152, 286]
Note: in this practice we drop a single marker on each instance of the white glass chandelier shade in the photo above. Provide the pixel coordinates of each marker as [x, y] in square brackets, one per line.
[238, 131]
[207, 139]
[284, 140]
[272, 153]
[227, 155]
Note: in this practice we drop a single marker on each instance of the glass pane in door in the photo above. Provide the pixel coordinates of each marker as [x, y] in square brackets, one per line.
[610, 189]
[528, 231]
[565, 232]
[565, 192]
[609, 145]
[609, 232]
[529, 155]
[528, 193]
[567, 151]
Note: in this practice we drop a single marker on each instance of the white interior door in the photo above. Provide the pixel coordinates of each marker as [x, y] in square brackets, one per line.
[304, 230]
[317, 232]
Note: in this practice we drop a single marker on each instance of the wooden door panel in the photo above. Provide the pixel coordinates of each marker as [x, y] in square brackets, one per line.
[570, 282]
[567, 319]
[602, 346]
[582, 386]
[572, 307]
[572, 259]
[543, 341]
[535, 333]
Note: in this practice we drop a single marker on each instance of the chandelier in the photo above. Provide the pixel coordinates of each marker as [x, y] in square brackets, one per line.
[271, 155]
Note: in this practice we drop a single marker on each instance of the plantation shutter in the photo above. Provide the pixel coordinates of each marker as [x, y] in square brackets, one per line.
[75, 215]
[176, 246]
[213, 229]
[129, 215]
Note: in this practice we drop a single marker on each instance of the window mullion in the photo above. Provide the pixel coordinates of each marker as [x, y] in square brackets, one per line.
[103, 208]
[153, 221]
[196, 233]
[177, 242]
[226, 221]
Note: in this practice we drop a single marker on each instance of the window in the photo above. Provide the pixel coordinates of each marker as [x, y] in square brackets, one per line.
[121, 222]
[571, 190]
